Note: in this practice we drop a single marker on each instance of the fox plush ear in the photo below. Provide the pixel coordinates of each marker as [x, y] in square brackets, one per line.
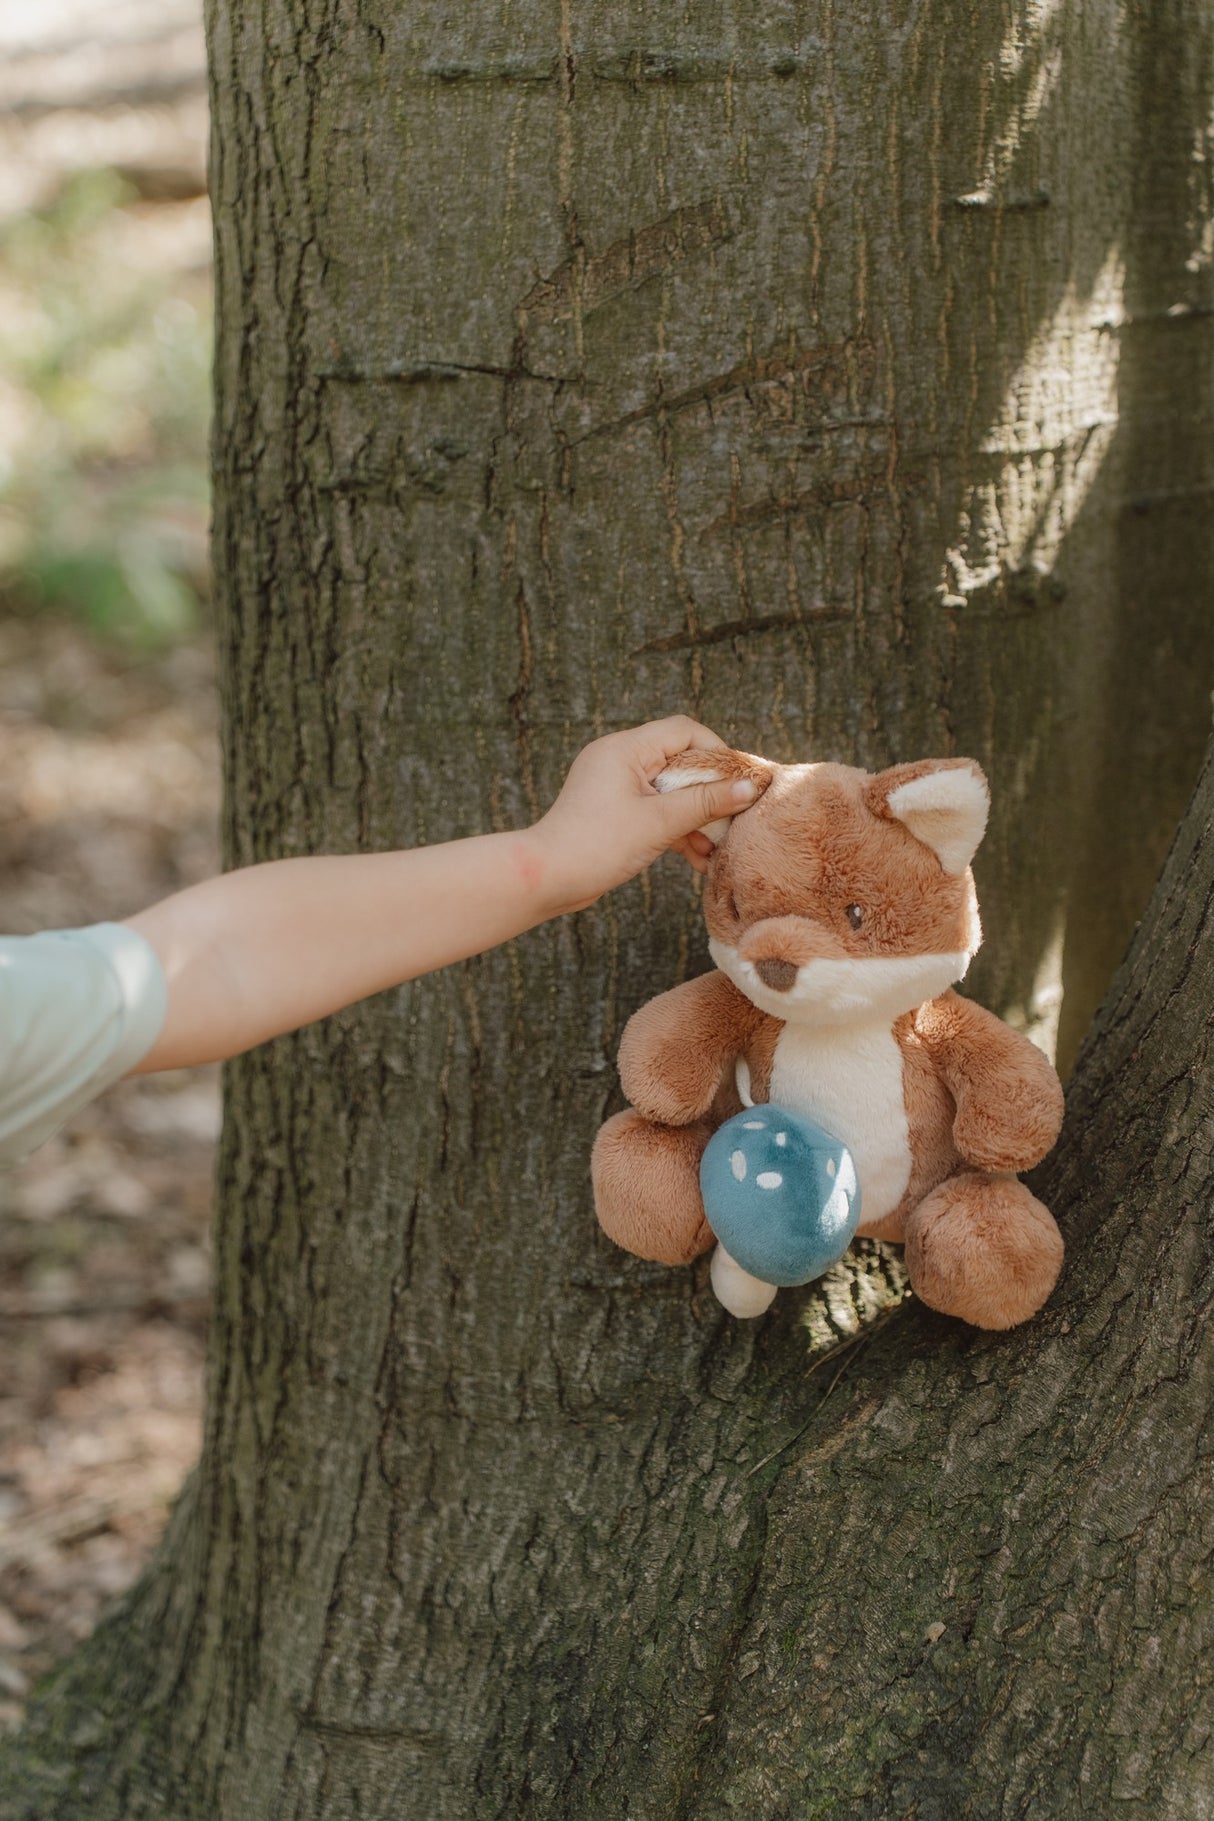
[696, 766]
[943, 802]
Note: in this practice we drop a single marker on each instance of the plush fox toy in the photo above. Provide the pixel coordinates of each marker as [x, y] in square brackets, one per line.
[841, 912]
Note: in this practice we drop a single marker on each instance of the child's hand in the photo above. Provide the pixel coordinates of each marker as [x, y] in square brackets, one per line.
[609, 822]
[268, 948]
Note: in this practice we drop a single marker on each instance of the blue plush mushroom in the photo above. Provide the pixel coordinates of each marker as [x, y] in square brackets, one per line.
[782, 1197]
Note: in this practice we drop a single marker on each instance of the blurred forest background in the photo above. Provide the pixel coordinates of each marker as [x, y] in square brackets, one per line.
[109, 778]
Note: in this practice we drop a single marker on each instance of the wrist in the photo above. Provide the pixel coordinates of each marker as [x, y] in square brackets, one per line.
[544, 864]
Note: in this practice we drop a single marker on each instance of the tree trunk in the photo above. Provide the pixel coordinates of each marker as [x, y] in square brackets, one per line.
[844, 379]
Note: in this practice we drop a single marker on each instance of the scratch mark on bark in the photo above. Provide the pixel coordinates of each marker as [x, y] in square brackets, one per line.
[521, 696]
[415, 373]
[630, 261]
[343, 1729]
[693, 637]
[690, 639]
[832, 360]
[633, 67]
[829, 493]
[500, 69]
[576, 265]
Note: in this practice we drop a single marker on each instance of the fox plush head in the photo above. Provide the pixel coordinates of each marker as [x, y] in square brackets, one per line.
[841, 911]
[841, 895]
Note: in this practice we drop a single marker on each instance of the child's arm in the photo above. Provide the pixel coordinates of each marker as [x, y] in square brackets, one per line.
[269, 948]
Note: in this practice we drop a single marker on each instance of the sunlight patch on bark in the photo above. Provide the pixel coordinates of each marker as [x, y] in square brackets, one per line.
[1018, 514]
[1032, 58]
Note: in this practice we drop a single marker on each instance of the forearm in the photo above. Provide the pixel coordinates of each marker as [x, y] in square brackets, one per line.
[270, 948]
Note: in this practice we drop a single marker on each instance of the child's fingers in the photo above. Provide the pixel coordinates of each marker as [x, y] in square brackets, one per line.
[674, 735]
[695, 848]
[697, 804]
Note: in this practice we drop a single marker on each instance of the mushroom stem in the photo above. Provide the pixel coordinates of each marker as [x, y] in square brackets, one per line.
[736, 1290]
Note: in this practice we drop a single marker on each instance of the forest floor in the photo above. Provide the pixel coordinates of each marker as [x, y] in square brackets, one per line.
[108, 800]
[108, 776]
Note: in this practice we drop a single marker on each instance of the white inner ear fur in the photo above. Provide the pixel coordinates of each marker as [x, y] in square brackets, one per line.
[677, 778]
[947, 811]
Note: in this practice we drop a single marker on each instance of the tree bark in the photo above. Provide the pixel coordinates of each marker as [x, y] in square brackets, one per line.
[824, 375]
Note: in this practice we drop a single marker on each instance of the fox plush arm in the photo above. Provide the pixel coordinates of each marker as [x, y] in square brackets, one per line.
[1009, 1100]
[676, 1049]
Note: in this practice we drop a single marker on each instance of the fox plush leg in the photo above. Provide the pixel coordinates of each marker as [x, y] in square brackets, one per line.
[647, 1187]
[982, 1248]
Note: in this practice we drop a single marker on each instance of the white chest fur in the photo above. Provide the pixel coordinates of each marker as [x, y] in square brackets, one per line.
[850, 1080]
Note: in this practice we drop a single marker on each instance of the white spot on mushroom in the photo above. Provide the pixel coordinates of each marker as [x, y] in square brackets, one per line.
[836, 1210]
[737, 1164]
[753, 1125]
[781, 1137]
[769, 1179]
[830, 1166]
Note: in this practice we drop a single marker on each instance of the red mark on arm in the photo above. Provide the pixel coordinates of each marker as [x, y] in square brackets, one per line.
[528, 866]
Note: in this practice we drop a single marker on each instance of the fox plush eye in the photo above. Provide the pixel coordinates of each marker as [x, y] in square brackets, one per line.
[855, 915]
[731, 905]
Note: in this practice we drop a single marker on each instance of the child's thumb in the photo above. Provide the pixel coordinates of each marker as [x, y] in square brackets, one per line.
[707, 806]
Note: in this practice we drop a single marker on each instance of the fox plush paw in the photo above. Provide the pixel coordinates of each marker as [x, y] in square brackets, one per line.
[647, 1187]
[982, 1248]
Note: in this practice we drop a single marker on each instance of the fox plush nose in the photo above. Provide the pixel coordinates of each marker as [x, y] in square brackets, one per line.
[779, 975]
[779, 947]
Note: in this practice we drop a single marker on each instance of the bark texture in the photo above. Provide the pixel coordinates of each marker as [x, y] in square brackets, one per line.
[843, 375]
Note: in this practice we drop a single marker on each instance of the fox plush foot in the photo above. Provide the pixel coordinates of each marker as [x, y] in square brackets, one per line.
[982, 1248]
[647, 1187]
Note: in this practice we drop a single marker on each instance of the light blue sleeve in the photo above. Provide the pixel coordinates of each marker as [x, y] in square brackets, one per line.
[78, 1009]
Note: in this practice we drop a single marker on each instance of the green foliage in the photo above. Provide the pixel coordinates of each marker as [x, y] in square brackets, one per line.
[105, 340]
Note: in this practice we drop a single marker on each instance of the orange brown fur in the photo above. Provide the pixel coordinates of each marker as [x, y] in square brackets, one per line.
[676, 1049]
[978, 1100]
[807, 854]
[724, 762]
[1008, 1098]
[653, 1205]
[979, 1247]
